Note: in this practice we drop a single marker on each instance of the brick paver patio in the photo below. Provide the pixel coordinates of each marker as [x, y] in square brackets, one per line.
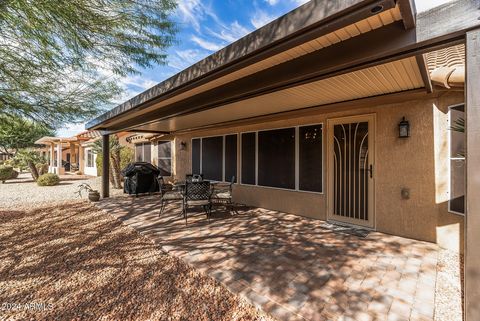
[293, 267]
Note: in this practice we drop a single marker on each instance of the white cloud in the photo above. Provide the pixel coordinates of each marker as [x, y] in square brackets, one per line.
[261, 18]
[271, 2]
[70, 130]
[230, 33]
[205, 44]
[300, 2]
[193, 12]
[138, 81]
[185, 58]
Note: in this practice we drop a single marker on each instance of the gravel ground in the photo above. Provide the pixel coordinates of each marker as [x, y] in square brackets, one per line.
[56, 249]
[23, 192]
[449, 292]
[71, 261]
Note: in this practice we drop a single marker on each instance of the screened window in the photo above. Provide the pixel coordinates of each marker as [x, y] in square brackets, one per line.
[212, 158]
[230, 157]
[289, 158]
[143, 152]
[196, 156]
[165, 158]
[276, 158]
[248, 158]
[215, 157]
[457, 159]
[90, 158]
[310, 158]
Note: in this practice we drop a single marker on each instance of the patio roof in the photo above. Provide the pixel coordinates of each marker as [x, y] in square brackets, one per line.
[49, 139]
[321, 53]
[313, 26]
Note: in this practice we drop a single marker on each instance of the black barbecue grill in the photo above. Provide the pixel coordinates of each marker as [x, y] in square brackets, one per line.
[140, 177]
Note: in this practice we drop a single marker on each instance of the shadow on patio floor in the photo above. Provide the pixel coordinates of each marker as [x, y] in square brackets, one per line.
[294, 267]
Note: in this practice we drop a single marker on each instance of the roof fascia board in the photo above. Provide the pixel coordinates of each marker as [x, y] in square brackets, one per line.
[422, 65]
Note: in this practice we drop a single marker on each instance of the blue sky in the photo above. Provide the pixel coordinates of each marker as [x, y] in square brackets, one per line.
[205, 27]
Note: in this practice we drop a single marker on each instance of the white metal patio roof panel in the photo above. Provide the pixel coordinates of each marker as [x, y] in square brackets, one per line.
[396, 76]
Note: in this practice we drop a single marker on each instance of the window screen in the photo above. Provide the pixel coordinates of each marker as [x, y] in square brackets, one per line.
[457, 159]
[143, 152]
[90, 158]
[147, 152]
[196, 156]
[310, 158]
[248, 158]
[276, 158]
[139, 152]
[165, 158]
[212, 158]
[230, 157]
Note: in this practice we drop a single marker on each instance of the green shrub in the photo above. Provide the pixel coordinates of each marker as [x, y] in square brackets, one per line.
[48, 179]
[98, 163]
[127, 155]
[6, 173]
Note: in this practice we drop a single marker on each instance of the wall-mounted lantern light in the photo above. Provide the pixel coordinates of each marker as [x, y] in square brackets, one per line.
[404, 129]
[183, 146]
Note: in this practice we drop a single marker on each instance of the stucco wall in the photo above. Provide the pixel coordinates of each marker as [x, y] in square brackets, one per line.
[419, 163]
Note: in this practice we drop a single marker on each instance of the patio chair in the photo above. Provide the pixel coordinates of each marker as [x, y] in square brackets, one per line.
[167, 194]
[197, 194]
[222, 194]
[194, 178]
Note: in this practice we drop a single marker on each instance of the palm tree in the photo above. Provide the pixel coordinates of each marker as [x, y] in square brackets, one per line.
[115, 148]
[29, 158]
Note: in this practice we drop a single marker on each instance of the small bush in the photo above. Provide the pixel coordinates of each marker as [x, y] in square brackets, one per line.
[48, 179]
[6, 173]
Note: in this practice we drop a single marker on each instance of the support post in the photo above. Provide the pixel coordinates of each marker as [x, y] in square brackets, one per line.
[59, 159]
[105, 165]
[52, 158]
[73, 155]
[472, 217]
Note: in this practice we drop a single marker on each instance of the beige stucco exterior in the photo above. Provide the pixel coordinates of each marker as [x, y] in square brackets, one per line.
[419, 163]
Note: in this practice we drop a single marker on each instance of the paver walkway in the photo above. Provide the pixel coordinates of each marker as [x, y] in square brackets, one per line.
[294, 267]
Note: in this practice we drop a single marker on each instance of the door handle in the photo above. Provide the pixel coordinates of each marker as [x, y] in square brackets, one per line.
[370, 169]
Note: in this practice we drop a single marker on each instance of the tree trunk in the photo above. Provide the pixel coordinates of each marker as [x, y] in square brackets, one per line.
[115, 166]
[33, 170]
[110, 173]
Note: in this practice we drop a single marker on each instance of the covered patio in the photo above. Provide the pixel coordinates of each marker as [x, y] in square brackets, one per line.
[306, 114]
[297, 268]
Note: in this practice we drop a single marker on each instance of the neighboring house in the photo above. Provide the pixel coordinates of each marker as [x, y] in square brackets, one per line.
[155, 149]
[5, 156]
[340, 111]
[73, 154]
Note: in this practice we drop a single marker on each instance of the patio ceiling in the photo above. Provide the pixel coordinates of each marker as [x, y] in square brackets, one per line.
[391, 77]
